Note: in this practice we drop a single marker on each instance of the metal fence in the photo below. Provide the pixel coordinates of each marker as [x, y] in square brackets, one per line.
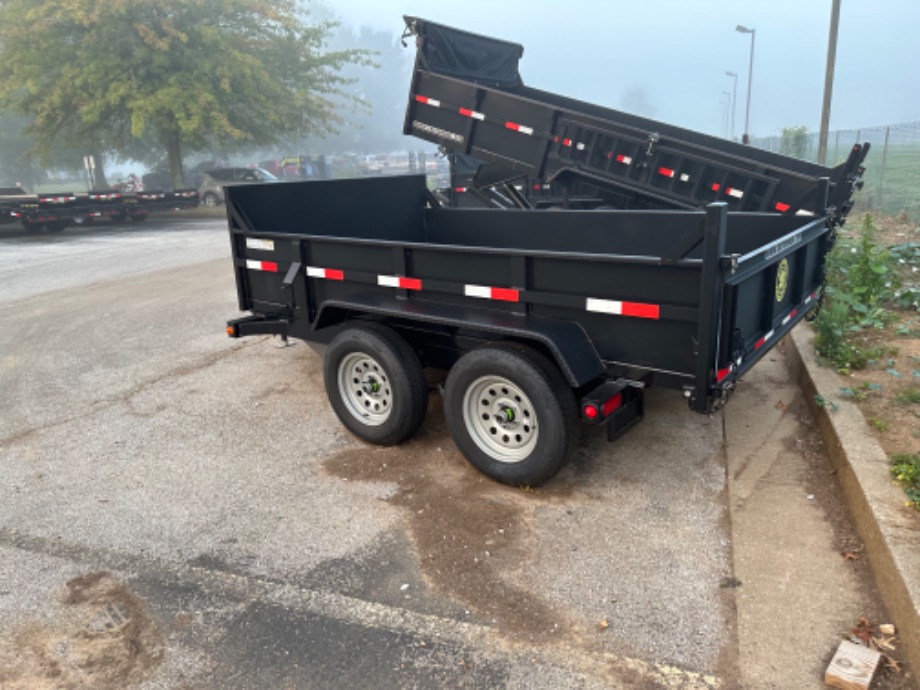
[892, 180]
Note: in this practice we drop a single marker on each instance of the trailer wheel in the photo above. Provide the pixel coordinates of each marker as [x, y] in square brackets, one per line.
[511, 413]
[375, 384]
[82, 220]
[31, 226]
[55, 225]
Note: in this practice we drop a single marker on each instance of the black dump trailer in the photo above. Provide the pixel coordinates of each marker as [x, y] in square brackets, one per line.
[468, 97]
[542, 320]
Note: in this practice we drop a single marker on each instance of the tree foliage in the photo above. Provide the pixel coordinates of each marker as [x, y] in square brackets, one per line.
[197, 73]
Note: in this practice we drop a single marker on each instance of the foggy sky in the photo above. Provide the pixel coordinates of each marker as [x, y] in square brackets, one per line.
[678, 52]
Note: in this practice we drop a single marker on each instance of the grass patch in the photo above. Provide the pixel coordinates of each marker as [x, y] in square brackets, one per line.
[905, 468]
[909, 397]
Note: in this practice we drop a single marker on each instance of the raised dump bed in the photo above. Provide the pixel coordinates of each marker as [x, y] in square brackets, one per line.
[467, 96]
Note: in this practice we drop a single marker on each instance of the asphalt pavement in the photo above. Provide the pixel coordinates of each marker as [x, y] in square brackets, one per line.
[184, 510]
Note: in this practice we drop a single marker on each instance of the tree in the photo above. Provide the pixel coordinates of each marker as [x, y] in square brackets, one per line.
[794, 141]
[197, 73]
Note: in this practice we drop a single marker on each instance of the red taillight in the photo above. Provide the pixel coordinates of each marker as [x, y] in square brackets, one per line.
[590, 411]
[613, 404]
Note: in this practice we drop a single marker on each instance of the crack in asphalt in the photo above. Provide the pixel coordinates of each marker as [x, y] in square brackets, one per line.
[126, 397]
[247, 588]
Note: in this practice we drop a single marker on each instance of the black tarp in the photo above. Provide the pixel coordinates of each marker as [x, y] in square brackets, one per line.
[455, 53]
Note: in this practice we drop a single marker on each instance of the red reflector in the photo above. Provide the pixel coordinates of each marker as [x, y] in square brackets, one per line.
[505, 295]
[642, 311]
[566, 142]
[334, 274]
[410, 283]
[613, 404]
[536, 186]
[716, 187]
[760, 343]
[421, 99]
[667, 172]
[590, 411]
[781, 207]
[720, 376]
[270, 266]
[466, 112]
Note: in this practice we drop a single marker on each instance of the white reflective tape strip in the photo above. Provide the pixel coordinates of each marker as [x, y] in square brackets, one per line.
[788, 318]
[525, 130]
[315, 272]
[580, 147]
[604, 306]
[684, 177]
[803, 212]
[477, 291]
[254, 265]
[737, 193]
[768, 336]
[388, 281]
[263, 245]
[625, 160]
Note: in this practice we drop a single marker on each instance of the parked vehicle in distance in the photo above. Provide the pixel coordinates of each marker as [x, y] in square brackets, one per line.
[211, 190]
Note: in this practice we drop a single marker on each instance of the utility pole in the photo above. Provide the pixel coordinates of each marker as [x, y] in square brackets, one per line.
[734, 76]
[828, 82]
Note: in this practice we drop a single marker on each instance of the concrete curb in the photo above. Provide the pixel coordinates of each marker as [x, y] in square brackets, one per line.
[889, 529]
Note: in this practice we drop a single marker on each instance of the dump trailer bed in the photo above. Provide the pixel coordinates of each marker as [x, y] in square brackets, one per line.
[467, 96]
[591, 299]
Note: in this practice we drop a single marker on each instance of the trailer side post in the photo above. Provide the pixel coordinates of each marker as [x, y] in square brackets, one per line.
[711, 286]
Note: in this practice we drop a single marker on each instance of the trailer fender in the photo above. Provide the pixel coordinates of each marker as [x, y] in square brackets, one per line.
[566, 341]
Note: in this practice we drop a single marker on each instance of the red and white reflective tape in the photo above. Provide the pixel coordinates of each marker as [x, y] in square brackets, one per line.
[722, 373]
[400, 282]
[667, 172]
[803, 212]
[104, 197]
[760, 343]
[617, 308]
[428, 101]
[466, 112]
[514, 126]
[327, 273]
[269, 266]
[737, 193]
[56, 199]
[485, 292]
[460, 190]
[569, 143]
[790, 317]
[811, 297]
[625, 160]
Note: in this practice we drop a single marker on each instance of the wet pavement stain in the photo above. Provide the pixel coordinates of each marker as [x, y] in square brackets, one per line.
[99, 637]
[471, 534]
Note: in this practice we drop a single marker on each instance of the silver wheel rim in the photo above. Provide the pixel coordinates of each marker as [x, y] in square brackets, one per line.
[500, 419]
[365, 389]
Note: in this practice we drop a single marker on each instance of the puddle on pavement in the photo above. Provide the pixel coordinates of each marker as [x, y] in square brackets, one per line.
[471, 534]
[98, 636]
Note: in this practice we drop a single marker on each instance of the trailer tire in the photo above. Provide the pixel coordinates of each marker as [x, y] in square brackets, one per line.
[511, 413]
[55, 225]
[375, 384]
[32, 226]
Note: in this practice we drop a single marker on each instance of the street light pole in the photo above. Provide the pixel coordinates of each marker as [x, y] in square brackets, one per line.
[747, 113]
[727, 103]
[828, 83]
[734, 76]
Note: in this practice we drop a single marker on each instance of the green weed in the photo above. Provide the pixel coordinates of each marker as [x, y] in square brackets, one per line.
[905, 468]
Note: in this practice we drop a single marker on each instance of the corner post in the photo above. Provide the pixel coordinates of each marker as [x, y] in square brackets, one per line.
[711, 289]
